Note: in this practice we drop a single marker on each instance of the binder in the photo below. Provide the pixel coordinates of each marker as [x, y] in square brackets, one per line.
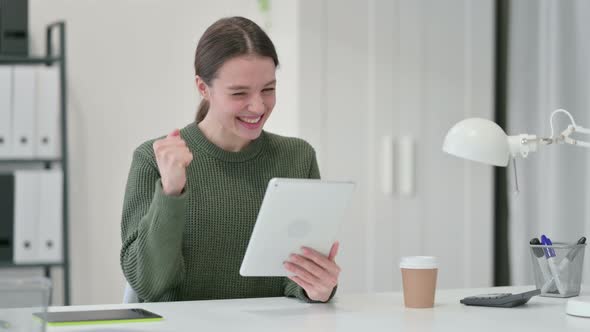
[14, 26]
[47, 142]
[5, 111]
[6, 216]
[23, 128]
[50, 216]
[26, 216]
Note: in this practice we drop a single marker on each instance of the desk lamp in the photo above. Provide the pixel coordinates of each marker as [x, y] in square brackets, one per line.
[484, 141]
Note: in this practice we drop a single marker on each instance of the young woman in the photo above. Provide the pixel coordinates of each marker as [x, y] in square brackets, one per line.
[192, 197]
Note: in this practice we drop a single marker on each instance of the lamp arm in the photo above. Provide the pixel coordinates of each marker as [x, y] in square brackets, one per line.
[560, 111]
[565, 136]
[581, 129]
[523, 144]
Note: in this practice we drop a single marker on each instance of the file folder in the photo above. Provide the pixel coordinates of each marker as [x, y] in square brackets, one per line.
[50, 216]
[47, 142]
[5, 111]
[14, 26]
[24, 94]
[26, 216]
[6, 216]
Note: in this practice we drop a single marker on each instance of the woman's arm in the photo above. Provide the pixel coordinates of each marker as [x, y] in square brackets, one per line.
[151, 229]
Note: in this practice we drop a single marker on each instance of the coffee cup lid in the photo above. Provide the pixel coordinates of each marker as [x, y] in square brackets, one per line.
[418, 262]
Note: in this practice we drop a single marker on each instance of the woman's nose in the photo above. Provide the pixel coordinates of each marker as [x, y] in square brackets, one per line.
[257, 104]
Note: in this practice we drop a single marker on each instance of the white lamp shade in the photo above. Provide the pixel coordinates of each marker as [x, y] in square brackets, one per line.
[479, 140]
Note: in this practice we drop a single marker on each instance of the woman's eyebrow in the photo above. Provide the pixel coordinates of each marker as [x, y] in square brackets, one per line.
[238, 87]
[244, 87]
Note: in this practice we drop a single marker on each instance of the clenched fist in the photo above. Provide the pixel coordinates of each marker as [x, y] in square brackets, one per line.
[172, 157]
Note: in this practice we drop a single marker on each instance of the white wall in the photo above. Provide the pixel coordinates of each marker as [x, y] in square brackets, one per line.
[387, 69]
[284, 30]
[130, 78]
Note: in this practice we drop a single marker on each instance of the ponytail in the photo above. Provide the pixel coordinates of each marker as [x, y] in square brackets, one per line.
[203, 109]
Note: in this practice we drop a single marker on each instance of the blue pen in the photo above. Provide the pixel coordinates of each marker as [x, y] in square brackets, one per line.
[543, 265]
[547, 242]
[550, 255]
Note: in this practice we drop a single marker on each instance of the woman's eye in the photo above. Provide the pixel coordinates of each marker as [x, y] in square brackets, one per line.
[268, 90]
[239, 94]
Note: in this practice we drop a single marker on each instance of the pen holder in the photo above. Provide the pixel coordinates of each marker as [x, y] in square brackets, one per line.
[557, 268]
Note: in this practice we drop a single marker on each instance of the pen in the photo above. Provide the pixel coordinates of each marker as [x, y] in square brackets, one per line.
[538, 252]
[550, 255]
[563, 265]
[571, 255]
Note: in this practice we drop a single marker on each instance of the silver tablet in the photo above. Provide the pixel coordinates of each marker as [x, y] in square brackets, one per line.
[295, 213]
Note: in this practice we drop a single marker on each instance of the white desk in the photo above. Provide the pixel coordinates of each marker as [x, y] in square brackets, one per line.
[362, 312]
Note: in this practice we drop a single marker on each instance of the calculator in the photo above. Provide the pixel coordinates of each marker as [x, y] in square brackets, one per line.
[504, 300]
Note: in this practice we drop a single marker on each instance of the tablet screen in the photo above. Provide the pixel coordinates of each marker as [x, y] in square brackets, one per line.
[99, 316]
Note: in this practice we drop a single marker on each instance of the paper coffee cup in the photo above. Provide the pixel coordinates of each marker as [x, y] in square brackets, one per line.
[419, 280]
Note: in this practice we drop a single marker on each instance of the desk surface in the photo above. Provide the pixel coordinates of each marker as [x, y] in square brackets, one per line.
[354, 312]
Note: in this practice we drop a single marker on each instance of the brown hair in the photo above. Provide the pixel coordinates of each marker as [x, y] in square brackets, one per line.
[225, 39]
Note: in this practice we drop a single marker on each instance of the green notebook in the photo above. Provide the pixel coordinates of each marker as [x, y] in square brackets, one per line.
[91, 317]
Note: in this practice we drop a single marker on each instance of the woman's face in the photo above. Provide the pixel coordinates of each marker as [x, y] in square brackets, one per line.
[242, 96]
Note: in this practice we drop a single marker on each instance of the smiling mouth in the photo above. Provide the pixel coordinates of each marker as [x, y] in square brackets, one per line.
[251, 120]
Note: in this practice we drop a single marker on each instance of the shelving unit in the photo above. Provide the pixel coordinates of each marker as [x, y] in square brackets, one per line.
[49, 59]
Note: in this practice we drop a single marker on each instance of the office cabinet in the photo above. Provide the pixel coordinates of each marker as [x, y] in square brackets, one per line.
[33, 159]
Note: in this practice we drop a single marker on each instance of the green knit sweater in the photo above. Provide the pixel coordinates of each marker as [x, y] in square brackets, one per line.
[190, 247]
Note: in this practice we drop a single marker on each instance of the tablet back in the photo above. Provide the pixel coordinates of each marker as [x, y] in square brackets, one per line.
[295, 213]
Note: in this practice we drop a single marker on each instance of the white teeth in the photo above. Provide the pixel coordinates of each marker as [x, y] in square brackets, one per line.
[251, 120]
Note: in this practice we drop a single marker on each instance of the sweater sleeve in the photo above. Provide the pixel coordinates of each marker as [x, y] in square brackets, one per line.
[314, 170]
[151, 229]
[291, 288]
